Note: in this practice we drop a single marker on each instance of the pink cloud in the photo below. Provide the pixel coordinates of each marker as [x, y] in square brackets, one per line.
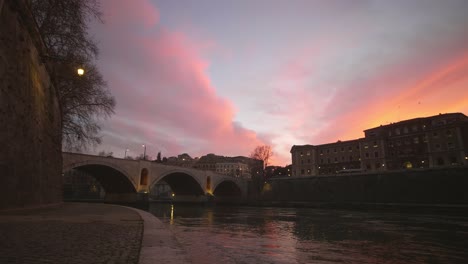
[164, 95]
[437, 89]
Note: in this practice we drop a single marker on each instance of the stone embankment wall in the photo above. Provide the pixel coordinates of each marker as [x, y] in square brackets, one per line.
[441, 186]
[30, 132]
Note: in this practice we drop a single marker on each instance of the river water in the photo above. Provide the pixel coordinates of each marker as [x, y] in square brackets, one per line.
[304, 235]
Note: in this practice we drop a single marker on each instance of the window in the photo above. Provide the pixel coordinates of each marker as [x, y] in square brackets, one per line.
[405, 130]
[302, 171]
[367, 155]
[342, 158]
[301, 154]
[414, 128]
[302, 162]
[308, 171]
[308, 153]
[336, 159]
[368, 166]
[450, 145]
[375, 144]
[342, 149]
[328, 160]
[350, 149]
[416, 140]
[437, 146]
[350, 158]
[321, 161]
[334, 150]
[376, 154]
[435, 134]
[308, 160]
[448, 133]
[397, 131]
[365, 145]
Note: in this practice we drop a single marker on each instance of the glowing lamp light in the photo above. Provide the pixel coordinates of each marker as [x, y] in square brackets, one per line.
[173, 194]
[80, 71]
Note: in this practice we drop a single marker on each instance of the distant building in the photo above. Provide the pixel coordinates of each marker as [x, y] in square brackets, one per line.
[182, 160]
[238, 166]
[427, 142]
[233, 169]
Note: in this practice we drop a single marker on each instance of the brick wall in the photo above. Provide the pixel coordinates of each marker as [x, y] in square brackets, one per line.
[30, 129]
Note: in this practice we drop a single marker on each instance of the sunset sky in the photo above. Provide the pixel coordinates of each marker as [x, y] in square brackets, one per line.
[223, 76]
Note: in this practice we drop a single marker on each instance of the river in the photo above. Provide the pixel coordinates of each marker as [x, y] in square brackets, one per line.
[225, 234]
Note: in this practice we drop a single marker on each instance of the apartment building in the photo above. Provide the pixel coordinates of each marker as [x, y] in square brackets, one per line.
[426, 142]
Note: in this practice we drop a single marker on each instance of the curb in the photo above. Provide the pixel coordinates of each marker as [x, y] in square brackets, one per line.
[159, 244]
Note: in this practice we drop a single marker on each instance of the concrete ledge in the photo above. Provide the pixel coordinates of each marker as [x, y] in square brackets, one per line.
[159, 244]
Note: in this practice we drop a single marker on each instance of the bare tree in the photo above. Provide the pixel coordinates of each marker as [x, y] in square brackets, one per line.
[263, 153]
[63, 25]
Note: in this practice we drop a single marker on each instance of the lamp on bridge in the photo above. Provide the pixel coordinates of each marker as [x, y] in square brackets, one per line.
[144, 153]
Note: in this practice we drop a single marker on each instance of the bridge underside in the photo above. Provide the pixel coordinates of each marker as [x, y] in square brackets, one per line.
[184, 187]
[117, 186]
[227, 189]
[183, 184]
[228, 192]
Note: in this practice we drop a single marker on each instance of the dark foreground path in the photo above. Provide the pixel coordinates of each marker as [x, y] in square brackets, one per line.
[71, 233]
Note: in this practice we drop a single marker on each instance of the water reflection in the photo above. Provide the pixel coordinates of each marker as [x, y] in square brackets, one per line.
[301, 235]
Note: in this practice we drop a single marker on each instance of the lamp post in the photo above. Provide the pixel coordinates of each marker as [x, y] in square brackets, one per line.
[125, 156]
[144, 152]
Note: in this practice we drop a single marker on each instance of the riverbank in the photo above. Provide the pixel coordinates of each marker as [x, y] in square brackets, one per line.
[85, 233]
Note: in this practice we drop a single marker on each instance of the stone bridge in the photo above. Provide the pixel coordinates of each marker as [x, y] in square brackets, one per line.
[129, 180]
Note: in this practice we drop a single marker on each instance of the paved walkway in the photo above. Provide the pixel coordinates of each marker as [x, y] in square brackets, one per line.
[87, 233]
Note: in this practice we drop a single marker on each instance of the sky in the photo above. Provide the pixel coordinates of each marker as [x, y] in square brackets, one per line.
[223, 76]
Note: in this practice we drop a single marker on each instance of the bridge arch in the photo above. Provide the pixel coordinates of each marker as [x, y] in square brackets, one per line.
[181, 183]
[113, 179]
[227, 188]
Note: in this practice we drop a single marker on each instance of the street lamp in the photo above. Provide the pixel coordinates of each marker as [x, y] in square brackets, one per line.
[80, 71]
[144, 153]
[125, 156]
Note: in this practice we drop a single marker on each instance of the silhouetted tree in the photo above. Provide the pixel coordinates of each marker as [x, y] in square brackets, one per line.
[83, 99]
[158, 158]
[263, 153]
[164, 160]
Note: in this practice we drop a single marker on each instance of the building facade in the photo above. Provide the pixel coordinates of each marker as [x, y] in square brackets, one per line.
[427, 142]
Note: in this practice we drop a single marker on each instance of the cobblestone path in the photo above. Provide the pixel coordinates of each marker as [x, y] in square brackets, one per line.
[71, 233]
